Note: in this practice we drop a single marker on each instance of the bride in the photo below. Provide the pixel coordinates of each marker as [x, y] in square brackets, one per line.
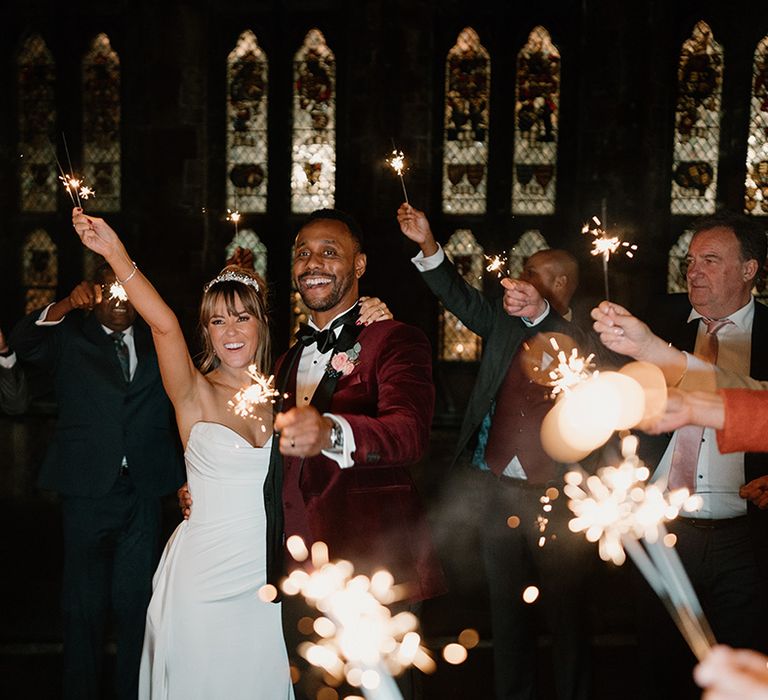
[208, 633]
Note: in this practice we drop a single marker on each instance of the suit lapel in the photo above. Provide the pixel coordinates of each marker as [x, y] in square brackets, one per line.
[321, 399]
[95, 333]
[142, 340]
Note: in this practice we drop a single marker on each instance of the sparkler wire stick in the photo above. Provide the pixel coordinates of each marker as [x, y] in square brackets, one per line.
[63, 177]
[69, 162]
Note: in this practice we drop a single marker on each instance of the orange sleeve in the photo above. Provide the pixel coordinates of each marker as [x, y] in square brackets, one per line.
[746, 421]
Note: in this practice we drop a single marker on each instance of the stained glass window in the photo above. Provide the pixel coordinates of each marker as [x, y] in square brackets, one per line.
[247, 80]
[247, 238]
[313, 173]
[457, 342]
[530, 242]
[39, 269]
[465, 134]
[101, 123]
[37, 124]
[756, 185]
[697, 123]
[676, 263]
[537, 114]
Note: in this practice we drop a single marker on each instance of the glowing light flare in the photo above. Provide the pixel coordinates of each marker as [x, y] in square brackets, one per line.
[530, 594]
[396, 161]
[497, 264]
[360, 641]
[86, 192]
[117, 291]
[262, 391]
[571, 369]
[454, 654]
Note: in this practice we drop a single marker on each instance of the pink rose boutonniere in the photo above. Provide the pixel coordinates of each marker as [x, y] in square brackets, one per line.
[342, 364]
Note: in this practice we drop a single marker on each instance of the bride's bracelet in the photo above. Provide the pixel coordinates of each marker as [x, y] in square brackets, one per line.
[130, 277]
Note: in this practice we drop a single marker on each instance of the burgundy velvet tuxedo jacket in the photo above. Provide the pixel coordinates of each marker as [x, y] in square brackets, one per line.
[369, 513]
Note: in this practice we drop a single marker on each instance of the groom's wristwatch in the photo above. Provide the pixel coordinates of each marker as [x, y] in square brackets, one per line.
[337, 436]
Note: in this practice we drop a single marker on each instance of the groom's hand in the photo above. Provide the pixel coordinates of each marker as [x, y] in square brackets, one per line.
[185, 500]
[304, 432]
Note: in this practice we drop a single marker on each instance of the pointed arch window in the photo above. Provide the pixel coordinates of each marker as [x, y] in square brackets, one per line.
[756, 185]
[465, 133]
[36, 78]
[676, 266]
[247, 238]
[529, 243]
[697, 123]
[313, 172]
[101, 123]
[39, 269]
[537, 118]
[457, 342]
[247, 88]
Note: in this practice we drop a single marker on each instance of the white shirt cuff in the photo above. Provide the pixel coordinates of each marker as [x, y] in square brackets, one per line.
[425, 264]
[41, 318]
[536, 321]
[8, 362]
[342, 457]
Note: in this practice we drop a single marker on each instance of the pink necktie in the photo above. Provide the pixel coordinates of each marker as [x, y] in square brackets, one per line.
[685, 458]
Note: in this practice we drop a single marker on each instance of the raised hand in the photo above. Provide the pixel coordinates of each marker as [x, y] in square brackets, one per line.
[241, 257]
[414, 224]
[85, 296]
[522, 299]
[95, 234]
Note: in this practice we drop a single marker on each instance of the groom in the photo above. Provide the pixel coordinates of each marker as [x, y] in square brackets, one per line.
[358, 414]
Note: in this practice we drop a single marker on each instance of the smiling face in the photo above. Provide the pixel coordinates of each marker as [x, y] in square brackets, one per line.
[234, 334]
[719, 280]
[327, 265]
[114, 314]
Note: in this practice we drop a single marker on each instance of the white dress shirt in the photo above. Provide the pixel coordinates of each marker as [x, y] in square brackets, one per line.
[309, 372]
[718, 476]
[8, 362]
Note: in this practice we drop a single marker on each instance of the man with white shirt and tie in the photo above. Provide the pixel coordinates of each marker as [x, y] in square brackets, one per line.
[724, 333]
[115, 451]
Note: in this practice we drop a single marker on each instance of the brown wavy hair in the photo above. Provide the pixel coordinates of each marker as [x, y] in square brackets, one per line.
[253, 301]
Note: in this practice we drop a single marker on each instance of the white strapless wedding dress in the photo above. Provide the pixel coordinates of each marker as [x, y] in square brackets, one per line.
[208, 635]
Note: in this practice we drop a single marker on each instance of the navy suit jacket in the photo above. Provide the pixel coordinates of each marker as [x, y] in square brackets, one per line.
[101, 417]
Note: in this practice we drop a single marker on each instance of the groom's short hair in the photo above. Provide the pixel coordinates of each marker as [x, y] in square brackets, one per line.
[337, 215]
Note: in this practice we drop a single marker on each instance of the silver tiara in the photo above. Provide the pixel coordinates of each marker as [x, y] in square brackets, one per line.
[231, 276]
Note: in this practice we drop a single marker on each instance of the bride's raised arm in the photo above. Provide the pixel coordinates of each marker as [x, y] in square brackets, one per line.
[176, 367]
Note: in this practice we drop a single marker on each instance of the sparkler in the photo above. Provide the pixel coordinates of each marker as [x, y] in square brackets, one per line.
[617, 509]
[262, 391]
[605, 245]
[360, 641]
[396, 161]
[117, 291]
[72, 184]
[571, 369]
[234, 217]
[497, 264]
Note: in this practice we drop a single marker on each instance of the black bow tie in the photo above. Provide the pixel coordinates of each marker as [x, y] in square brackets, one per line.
[326, 340]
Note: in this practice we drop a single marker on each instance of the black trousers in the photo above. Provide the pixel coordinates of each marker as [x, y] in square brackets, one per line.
[560, 569]
[722, 567]
[110, 553]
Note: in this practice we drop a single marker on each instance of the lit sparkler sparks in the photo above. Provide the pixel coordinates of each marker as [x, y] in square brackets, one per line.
[360, 641]
[86, 192]
[497, 264]
[605, 246]
[262, 391]
[625, 515]
[396, 161]
[571, 369]
[117, 291]
[234, 216]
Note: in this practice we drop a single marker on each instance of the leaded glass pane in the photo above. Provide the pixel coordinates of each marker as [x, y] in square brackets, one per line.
[313, 173]
[756, 185]
[676, 264]
[465, 134]
[247, 81]
[250, 240]
[101, 124]
[537, 115]
[697, 123]
[457, 342]
[37, 124]
[39, 269]
[530, 242]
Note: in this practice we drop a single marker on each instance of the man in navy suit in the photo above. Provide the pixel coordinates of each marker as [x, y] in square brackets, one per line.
[114, 453]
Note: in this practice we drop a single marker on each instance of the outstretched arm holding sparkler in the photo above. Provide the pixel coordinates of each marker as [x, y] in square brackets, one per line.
[733, 674]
